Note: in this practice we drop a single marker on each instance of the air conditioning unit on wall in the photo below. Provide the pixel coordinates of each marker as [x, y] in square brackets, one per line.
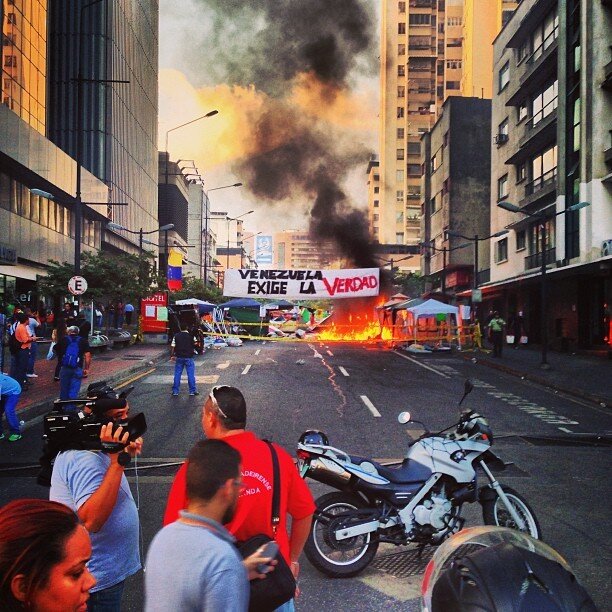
[606, 248]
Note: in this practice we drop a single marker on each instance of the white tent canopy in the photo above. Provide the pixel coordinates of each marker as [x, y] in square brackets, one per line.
[193, 302]
[432, 307]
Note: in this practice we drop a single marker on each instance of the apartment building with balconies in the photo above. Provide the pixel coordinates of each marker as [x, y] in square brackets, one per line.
[551, 150]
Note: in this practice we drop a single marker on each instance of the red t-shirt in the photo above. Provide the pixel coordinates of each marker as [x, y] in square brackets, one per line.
[254, 509]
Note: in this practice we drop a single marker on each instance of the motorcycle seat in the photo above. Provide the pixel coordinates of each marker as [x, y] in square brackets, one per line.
[403, 474]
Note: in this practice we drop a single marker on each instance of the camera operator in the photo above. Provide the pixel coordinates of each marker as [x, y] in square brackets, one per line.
[94, 485]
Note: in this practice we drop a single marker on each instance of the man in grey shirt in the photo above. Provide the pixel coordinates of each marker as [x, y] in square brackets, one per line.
[192, 564]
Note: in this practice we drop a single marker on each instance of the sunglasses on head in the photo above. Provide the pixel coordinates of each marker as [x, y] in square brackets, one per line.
[213, 399]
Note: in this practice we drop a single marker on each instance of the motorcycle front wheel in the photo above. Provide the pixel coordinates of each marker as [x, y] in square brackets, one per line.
[494, 512]
[338, 558]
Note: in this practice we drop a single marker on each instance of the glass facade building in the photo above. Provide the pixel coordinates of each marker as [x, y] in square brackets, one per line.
[119, 42]
[24, 57]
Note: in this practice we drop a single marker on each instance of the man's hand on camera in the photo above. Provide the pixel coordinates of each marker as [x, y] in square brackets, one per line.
[119, 437]
[134, 448]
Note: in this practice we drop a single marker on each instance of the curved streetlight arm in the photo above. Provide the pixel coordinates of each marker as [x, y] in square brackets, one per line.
[223, 187]
[516, 209]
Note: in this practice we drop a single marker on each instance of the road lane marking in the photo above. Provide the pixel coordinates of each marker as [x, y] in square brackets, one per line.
[423, 365]
[129, 381]
[246, 369]
[168, 379]
[565, 429]
[370, 405]
[344, 372]
[257, 351]
[223, 366]
[329, 353]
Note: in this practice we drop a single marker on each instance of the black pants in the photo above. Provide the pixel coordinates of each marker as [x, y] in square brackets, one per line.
[498, 342]
[128, 317]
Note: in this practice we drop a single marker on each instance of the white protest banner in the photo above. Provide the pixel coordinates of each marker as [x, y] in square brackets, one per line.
[302, 284]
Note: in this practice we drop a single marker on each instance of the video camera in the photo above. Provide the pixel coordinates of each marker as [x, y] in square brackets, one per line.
[80, 430]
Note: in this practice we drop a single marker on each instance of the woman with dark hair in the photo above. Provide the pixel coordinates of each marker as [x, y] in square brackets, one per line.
[56, 336]
[43, 555]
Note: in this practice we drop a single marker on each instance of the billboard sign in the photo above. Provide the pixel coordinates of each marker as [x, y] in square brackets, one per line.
[302, 284]
[263, 249]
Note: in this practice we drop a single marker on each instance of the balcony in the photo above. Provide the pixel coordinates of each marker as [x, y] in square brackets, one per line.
[541, 128]
[535, 260]
[543, 60]
[421, 3]
[544, 187]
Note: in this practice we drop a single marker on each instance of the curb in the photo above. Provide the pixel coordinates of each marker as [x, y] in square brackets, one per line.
[600, 401]
[38, 408]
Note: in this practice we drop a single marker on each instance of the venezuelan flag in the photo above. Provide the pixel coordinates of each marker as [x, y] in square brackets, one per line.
[175, 271]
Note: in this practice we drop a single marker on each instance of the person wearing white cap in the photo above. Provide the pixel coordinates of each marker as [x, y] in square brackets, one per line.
[74, 354]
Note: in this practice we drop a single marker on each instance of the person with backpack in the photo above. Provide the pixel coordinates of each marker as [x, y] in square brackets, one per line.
[74, 355]
[10, 392]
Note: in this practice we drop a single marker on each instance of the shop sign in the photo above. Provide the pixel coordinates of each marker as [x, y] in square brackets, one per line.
[8, 255]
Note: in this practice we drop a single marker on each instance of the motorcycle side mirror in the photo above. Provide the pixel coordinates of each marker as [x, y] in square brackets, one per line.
[403, 418]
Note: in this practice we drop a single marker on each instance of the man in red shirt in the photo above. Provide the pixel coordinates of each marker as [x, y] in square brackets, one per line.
[224, 417]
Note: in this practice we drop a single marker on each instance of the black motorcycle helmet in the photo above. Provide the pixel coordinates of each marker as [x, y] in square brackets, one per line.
[493, 569]
[314, 436]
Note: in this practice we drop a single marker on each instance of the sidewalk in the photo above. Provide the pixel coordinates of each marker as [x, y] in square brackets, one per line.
[114, 366]
[586, 377]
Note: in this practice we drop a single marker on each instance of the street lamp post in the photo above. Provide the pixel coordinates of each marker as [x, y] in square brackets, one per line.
[206, 219]
[228, 219]
[208, 114]
[543, 283]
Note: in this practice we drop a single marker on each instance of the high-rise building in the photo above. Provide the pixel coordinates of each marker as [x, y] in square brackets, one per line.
[423, 45]
[295, 249]
[551, 113]
[35, 228]
[109, 41]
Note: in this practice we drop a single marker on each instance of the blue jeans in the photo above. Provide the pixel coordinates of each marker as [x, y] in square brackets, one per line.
[189, 365]
[19, 365]
[70, 384]
[8, 403]
[288, 606]
[32, 358]
[106, 600]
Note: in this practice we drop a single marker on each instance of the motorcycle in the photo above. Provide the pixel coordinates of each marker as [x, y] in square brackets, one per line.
[418, 501]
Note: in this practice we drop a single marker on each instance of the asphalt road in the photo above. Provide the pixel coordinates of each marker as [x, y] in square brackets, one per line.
[291, 387]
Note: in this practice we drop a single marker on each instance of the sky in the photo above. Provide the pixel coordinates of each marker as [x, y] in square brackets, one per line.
[296, 86]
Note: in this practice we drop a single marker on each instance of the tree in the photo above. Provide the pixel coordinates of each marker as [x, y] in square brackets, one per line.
[409, 283]
[108, 276]
[195, 288]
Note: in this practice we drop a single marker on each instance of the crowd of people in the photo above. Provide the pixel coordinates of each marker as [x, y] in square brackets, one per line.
[75, 551]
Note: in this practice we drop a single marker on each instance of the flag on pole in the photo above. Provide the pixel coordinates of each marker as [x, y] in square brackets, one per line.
[175, 271]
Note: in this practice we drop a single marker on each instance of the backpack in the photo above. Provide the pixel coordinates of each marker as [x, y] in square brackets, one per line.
[13, 344]
[71, 356]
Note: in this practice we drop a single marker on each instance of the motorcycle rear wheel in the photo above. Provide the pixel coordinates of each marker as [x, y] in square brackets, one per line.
[344, 558]
[494, 512]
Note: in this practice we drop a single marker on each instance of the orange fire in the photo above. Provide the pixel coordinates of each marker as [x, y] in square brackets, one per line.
[356, 322]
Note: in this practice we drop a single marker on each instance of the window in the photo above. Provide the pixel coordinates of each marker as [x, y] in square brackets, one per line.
[543, 168]
[399, 176]
[432, 205]
[502, 187]
[401, 49]
[454, 42]
[524, 50]
[544, 103]
[401, 7]
[454, 64]
[435, 162]
[544, 35]
[414, 169]
[440, 69]
[399, 154]
[374, 218]
[502, 129]
[376, 189]
[399, 237]
[501, 250]
[446, 138]
[400, 112]
[446, 186]
[419, 19]
[576, 125]
[401, 28]
[400, 133]
[399, 217]
[520, 240]
[11, 18]
[376, 203]
[453, 21]
[401, 91]
[10, 61]
[453, 85]
[522, 110]
[521, 172]
[401, 70]
[399, 195]
[414, 148]
[504, 76]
